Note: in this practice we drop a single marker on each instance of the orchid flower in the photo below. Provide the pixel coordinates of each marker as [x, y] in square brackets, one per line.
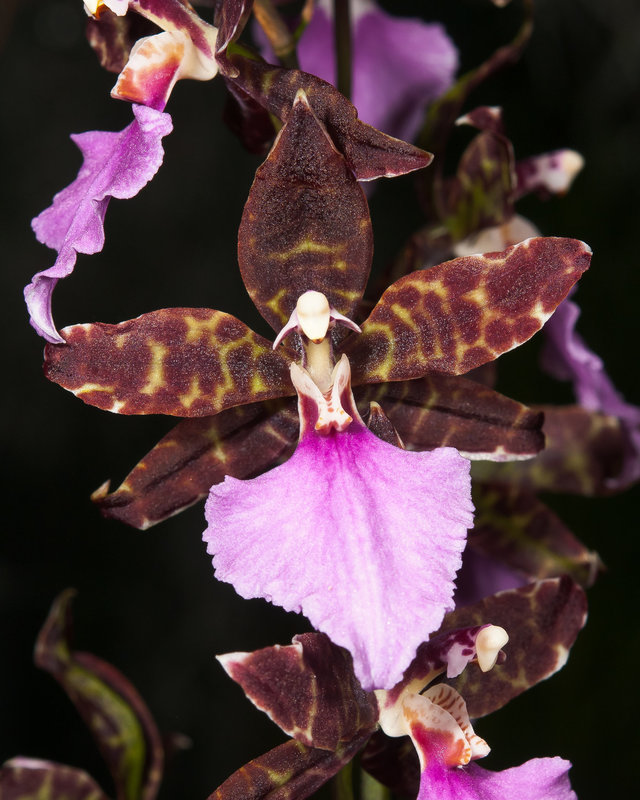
[196, 362]
[310, 690]
[381, 532]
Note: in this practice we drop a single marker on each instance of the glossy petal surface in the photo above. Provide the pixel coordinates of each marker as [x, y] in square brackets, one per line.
[451, 411]
[307, 688]
[370, 548]
[399, 65]
[538, 779]
[115, 165]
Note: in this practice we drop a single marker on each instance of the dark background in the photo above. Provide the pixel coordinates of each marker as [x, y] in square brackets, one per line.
[147, 601]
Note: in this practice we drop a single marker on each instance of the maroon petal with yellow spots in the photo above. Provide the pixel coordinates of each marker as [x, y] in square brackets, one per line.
[542, 620]
[463, 313]
[195, 455]
[188, 362]
[305, 225]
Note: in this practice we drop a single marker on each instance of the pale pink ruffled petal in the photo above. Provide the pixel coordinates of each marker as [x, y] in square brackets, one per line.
[538, 779]
[116, 164]
[362, 537]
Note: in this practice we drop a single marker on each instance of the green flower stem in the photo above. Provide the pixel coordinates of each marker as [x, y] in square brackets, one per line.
[343, 783]
[371, 789]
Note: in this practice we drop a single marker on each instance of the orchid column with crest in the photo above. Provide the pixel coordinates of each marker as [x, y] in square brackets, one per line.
[358, 466]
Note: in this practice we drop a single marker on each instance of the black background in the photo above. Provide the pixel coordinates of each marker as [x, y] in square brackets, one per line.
[147, 601]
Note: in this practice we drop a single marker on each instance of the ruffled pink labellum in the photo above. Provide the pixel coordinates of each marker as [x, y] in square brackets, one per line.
[362, 537]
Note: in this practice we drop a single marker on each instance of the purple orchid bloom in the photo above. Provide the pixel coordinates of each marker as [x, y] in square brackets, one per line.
[399, 65]
[388, 556]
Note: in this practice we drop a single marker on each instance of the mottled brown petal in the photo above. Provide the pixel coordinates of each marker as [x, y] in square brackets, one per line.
[291, 771]
[584, 453]
[186, 362]
[463, 313]
[305, 225]
[33, 779]
[450, 411]
[308, 688]
[109, 705]
[542, 619]
[369, 152]
[197, 453]
[513, 526]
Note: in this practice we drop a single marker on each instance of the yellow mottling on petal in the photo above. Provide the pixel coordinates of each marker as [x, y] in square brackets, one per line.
[194, 393]
[155, 373]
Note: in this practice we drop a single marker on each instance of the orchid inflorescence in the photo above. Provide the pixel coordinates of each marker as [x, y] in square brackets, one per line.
[358, 467]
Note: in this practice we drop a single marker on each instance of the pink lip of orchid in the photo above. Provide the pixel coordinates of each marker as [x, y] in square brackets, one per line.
[373, 543]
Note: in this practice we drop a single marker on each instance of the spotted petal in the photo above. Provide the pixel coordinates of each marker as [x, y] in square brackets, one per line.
[466, 312]
[367, 549]
[542, 619]
[115, 165]
[291, 771]
[567, 357]
[187, 362]
[451, 411]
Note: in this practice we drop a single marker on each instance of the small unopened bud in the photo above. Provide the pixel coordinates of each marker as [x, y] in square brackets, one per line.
[489, 642]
